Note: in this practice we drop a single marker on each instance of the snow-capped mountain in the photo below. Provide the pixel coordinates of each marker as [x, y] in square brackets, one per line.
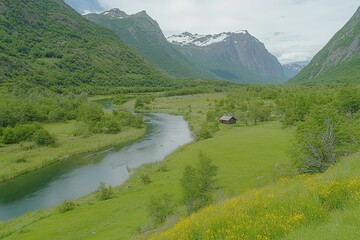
[292, 69]
[199, 40]
[236, 56]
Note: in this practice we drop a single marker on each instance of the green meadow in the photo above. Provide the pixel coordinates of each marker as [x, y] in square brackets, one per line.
[17, 159]
[192, 107]
[258, 194]
[246, 157]
[320, 206]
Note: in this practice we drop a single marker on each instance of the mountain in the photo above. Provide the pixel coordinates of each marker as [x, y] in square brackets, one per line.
[234, 56]
[339, 60]
[142, 33]
[48, 44]
[292, 69]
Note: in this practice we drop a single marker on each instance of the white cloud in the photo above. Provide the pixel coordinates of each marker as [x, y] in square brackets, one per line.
[290, 29]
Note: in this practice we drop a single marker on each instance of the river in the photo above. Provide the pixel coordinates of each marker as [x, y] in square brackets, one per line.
[81, 175]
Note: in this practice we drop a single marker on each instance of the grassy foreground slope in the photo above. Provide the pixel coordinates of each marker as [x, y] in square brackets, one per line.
[322, 206]
[245, 157]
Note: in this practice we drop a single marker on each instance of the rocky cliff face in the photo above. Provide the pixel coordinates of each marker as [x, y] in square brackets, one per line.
[236, 56]
[339, 60]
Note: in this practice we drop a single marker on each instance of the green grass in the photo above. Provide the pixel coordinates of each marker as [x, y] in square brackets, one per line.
[321, 206]
[22, 158]
[342, 224]
[245, 156]
[192, 107]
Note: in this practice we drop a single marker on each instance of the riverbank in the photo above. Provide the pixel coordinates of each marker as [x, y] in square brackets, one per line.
[19, 159]
[254, 152]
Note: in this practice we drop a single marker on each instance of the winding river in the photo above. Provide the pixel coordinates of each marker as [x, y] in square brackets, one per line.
[81, 175]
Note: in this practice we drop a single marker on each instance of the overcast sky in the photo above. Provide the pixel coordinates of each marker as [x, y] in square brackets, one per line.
[292, 30]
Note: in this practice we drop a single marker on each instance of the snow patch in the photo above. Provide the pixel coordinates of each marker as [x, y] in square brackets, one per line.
[242, 31]
[115, 13]
[201, 40]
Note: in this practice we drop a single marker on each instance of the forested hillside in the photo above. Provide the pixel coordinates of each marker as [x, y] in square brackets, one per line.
[48, 44]
[142, 33]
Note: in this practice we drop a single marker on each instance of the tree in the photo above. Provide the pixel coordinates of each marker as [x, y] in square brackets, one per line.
[161, 207]
[44, 138]
[319, 151]
[199, 183]
[103, 192]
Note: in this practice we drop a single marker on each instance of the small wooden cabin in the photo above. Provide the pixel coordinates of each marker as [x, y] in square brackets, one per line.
[227, 119]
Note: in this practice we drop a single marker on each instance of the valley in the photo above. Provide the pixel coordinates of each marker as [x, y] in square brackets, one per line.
[117, 125]
[257, 170]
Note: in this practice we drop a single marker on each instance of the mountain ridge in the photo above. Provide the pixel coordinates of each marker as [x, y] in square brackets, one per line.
[144, 34]
[338, 61]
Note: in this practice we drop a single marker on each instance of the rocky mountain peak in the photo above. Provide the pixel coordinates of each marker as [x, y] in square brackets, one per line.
[143, 12]
[115, 13]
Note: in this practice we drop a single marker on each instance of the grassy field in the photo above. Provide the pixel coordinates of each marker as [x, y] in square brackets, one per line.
[19, 159]
[246, 157]
[192, 107]
[322, 206]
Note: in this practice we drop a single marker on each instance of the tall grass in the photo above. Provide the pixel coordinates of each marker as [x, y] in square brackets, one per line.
[277, 210]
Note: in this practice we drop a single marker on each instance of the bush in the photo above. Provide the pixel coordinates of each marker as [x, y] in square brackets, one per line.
[120, 99]
[20, 133]
[103, 192]
[142, 101]
[207, 130]
[145, 178]
[111, 126]
[81, 129]
[161, 207]
[44, 138]
[128, 119]
[66, 206]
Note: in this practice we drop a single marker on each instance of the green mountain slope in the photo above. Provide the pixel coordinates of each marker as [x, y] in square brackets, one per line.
[47, 43]
[142, 33]
[339, 60]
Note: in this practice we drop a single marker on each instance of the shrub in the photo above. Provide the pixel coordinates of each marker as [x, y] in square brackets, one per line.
[128, 119]
[142, 101]
[103, 192]
[120, 99]
[161, 207]
[81, 129]
[66, 206]
[111, 126]
[20, 133]
[207, 130]
[44, 138]
[145, 178]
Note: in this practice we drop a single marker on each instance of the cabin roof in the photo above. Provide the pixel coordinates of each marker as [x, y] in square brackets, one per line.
[226, 118]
